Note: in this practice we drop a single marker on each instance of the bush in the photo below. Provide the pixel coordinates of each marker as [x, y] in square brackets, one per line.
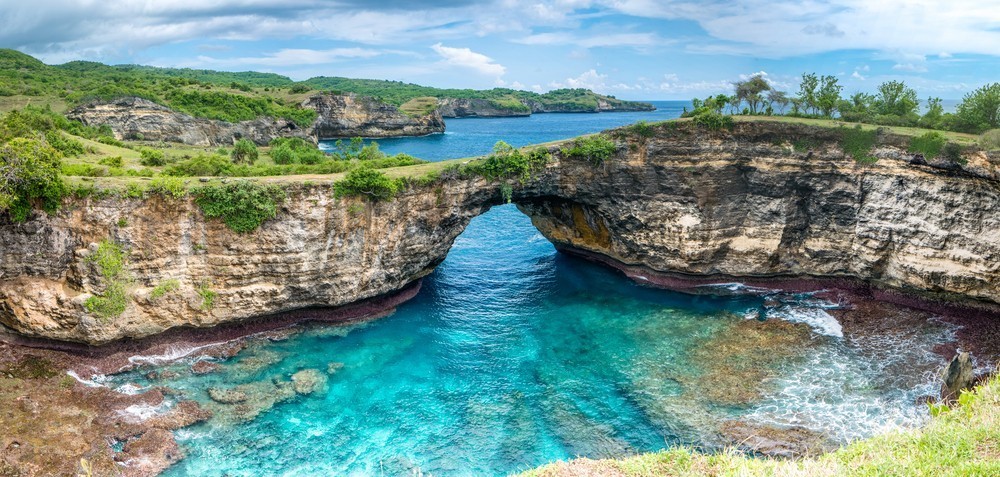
[506, 162]
[283, 155]
[244, 151]
[164, 287]
[113, 161]
[990, 140]
[29, 176]
[242, 205]
[168, 187]
[63, 144]
[211, 165]
[367, 183]
[111, 262]
[929, 144]
[151, 157]
[714, 121]
[595, 149]
[857, 143]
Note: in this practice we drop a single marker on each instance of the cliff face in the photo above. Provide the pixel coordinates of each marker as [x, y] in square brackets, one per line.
[339, 116]
[748, 204]
[318, 251]
[351, 115]
[481, 108]
[686, 201]
[137, 118]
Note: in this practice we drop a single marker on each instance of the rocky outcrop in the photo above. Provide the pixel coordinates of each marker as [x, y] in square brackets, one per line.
[602, 104]
[478, 108]
[687, 203]
[137, 118]
[339, 116]
[351, 115]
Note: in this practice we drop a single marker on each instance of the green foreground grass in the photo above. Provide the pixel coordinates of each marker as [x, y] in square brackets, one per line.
[962, 441]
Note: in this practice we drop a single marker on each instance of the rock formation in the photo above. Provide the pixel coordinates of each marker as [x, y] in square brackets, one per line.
[137, 118]
[480, 108]
[339, 116]
[686, 203]
[351, 115]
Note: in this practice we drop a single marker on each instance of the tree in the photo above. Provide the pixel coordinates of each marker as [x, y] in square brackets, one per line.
[935, 111]
[980, 109]
[244, 151]
[896, 99]
[807, 91]
[828, 96]
[779, 99]
[751, 91]
[29, 175]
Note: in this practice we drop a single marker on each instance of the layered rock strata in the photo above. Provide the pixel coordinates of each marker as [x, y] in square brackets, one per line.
[687, 202]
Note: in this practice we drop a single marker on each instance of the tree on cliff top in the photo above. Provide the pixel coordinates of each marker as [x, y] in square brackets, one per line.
[244, 151]
[751, 91]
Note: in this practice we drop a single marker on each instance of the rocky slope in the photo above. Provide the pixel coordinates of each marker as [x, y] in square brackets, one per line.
[351, 115]
[339, 116]
[137, 118]
[479, 108]
[685, 203]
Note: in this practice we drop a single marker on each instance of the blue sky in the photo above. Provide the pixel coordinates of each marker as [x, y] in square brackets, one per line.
[635, 49]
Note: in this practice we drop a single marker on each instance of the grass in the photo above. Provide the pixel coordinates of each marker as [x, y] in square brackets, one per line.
[418, 107]
[957, 137]
[962, 441]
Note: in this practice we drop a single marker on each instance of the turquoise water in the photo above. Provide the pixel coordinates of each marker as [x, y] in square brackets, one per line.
[467, 137]
[513, 355]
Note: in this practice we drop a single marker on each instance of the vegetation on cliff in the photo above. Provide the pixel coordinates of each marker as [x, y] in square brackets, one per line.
[111, 263]
[962, 440]
[242, 205]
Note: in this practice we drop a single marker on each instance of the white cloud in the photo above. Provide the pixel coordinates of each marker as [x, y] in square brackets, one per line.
[589, 79]
[857, 76]
[594, 41]
[466, 58]
[292, 57]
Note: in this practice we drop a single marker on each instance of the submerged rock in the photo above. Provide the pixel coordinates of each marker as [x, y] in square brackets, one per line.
[204, 367]
[308, 380]
[783, 442]
[226, 396]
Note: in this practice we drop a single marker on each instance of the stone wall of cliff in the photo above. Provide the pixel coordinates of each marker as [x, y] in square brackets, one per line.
[339, 116]
[747, 203]
[351, 115]
[478, 108]
[687, 201]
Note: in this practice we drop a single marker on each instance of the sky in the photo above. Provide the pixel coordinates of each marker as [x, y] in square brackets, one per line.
[632, 49]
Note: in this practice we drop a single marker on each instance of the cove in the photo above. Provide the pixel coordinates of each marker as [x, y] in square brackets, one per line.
[514, 355]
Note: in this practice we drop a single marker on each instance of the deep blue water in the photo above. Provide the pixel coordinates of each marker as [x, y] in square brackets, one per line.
[466, 137]
[513, 355]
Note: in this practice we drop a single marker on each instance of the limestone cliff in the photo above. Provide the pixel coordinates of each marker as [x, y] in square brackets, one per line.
[351, 115]
[479, 108]
[137, 118]
[752, 202]
[339, 116]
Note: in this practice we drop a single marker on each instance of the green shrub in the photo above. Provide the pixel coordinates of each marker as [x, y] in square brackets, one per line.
[713, 120]
[168, 186]
[367, 183]
[506, 162]
[110, 140]
[63, 144]
[201, 165]
[953, 152]
[164, 287]
[244, 151]
[282, 155]
[929, 144]
[29, 176]
[595, 149]
[134, 191]
[113, 161]
[858, 143]
[242, 205]
[641, 129]
[111, 262]
[990, 140]
[207, 296]
[151, 157]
